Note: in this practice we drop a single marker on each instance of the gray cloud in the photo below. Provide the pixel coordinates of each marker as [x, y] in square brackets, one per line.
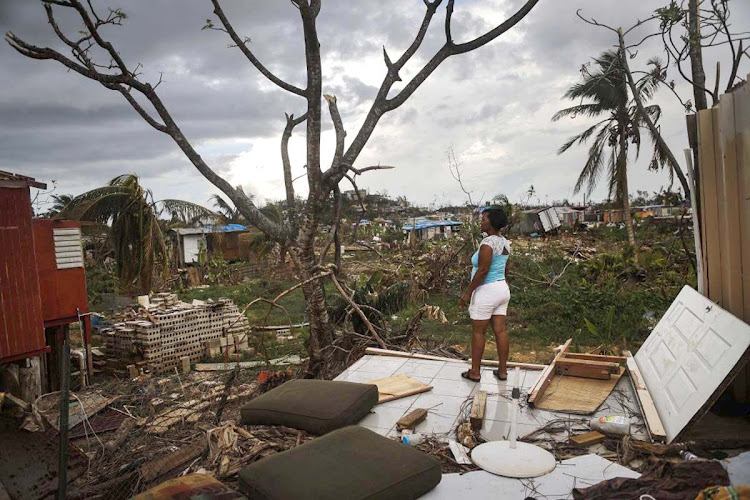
[492, 105]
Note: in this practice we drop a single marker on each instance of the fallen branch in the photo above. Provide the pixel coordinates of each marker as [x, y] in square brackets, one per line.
[361, 314]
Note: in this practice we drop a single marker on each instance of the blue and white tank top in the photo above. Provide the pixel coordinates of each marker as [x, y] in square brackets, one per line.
[497, 267]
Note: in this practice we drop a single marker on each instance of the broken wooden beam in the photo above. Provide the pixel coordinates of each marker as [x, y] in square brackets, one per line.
[588, 438]
[413, 355]
[596, 357]
[478, 408]
[411, 419]
[582, 371]
[546, 377]
[565, 361]
[645, 402]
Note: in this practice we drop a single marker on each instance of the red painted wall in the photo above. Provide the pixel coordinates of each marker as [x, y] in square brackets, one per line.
[62, 290]
[21, 324]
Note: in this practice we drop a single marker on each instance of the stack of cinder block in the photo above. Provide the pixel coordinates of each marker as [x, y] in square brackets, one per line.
[179, 330]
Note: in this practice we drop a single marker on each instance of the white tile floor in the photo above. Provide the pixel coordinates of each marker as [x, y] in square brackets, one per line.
[449, 392]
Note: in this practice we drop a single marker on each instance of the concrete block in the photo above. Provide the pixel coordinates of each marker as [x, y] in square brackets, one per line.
[185, 361]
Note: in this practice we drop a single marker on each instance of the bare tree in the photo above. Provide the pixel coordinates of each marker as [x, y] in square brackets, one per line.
[454, 167]
[299, 229]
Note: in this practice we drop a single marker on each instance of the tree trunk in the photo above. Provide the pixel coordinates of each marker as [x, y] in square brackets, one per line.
[696, 56]
[649, 122]
[321, 333]
[622, 166]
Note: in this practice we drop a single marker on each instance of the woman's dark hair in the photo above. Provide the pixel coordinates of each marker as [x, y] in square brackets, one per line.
[497, 217]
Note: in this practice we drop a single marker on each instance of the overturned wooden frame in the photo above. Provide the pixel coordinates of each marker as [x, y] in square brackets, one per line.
[594, 366]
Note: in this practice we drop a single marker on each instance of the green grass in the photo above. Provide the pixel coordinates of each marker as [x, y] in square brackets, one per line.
[605, 304]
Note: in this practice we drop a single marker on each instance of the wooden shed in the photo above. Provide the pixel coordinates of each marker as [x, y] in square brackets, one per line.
[21, 316]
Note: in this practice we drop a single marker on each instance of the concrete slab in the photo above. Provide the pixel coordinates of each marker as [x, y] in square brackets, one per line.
[581, 472]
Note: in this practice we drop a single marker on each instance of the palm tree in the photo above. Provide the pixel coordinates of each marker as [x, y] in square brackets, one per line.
[260, 243]
[136, 232]
[59, 202]
[228, 212]
[604, 93]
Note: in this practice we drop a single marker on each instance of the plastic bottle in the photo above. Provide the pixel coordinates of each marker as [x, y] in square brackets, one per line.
[615, 425]
[412, 439]
[686, 455]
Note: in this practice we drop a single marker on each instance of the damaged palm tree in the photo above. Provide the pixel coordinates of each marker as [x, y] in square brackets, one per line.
[133, 215]
[300, 226]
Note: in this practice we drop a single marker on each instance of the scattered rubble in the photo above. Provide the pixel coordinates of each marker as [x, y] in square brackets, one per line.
[159, 336]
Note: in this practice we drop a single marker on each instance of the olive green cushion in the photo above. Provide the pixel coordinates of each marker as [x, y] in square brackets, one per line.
[352, 463]
[316, 406]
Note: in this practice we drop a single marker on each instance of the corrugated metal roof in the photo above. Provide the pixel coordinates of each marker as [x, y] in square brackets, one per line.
[432, 223]
[229, 228]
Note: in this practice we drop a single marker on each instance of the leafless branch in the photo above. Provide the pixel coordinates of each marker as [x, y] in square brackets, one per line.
[382, 104]
[338, 126]
[454, 167]
[332, 236]
[359, 312]
[291, 122]
[126, 82]
[242, 45]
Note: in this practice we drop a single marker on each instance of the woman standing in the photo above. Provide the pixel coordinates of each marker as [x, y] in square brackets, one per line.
[489, 293]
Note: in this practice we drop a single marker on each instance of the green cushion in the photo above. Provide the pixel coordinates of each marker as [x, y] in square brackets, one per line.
[352, 463]
[316, 406]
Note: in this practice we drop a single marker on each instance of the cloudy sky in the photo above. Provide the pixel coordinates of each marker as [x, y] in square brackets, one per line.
[492, 106]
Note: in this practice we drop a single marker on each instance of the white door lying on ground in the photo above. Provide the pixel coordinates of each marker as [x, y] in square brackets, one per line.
[688, 355]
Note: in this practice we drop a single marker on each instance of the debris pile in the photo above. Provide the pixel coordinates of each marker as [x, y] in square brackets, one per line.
[167, 330]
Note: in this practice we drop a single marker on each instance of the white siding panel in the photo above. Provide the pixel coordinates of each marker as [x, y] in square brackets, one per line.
[68, 247]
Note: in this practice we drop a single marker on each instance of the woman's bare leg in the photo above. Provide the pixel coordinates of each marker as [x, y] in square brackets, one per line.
[503, 344]
[479, 327]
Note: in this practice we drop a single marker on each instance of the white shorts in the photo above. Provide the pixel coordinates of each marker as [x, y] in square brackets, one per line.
[490, 300]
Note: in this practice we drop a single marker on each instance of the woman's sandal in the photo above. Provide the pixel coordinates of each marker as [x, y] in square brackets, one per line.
[497, 374]
[467, 376]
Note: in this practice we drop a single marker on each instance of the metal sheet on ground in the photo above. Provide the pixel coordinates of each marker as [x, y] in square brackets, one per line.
[688, 356]
[581, 396]
[28, 463]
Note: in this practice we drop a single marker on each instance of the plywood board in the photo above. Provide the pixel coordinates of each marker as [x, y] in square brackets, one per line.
[581, 396]
[690, 357]
[707, 133]
[741, 386]
[398, 386]
[729, 210]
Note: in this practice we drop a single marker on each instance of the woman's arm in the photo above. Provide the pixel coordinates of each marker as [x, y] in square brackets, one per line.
[485, 259]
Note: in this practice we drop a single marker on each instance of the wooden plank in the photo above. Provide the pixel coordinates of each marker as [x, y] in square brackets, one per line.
[741, 386]
[588, 438]
[650, 415]
[398, 386]
[478, 407]
[577, 395]
[549, 372]
[582, 371]
[596, 357]
[413, 355]
[411, 419]
[729, 210]
[709, 204]
[600, 365]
